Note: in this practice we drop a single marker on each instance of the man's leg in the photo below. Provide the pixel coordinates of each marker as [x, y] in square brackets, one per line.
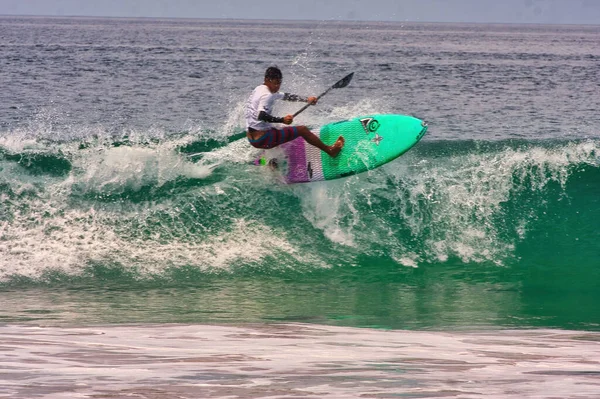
[312, 139]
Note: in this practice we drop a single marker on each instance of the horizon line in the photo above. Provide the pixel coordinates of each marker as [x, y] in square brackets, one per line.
[298, 20]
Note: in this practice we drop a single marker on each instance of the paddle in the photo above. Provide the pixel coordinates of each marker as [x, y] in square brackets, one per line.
[342, 83]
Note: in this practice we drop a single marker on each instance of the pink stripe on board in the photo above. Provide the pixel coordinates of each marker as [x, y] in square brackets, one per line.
[296, 154]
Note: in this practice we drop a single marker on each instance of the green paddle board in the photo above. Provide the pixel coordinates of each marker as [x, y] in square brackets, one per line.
[371, 141]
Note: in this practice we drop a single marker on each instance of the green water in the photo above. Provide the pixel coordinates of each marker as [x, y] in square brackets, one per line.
[452, 235]
[376, 293]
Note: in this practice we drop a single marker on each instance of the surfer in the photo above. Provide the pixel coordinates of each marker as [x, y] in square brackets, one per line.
[262, 134]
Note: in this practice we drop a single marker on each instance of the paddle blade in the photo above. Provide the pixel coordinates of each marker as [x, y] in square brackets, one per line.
[344, 82]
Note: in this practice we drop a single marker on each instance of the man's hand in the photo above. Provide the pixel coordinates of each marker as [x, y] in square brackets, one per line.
[288, 119]
[312, 100]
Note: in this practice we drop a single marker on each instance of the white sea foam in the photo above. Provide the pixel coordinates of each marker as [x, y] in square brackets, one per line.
[69, 243]
[130, 168]
[324, 206]
[295, 360]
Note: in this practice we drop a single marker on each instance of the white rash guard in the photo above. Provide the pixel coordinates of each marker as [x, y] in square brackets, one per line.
[261, 100]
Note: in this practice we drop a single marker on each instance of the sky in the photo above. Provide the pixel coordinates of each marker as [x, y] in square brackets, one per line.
[483, 11]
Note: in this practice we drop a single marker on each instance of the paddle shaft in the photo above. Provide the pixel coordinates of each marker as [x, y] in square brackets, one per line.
[342, 83]
[308, 105]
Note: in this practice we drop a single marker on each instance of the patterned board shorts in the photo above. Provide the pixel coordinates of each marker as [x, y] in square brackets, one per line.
[274, 137]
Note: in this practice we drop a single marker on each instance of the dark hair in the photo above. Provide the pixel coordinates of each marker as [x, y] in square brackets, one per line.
[273, 73]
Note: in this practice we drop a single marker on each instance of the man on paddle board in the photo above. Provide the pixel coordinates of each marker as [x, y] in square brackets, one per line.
[259, 130]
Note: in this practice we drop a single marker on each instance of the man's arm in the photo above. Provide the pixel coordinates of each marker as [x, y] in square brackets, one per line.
[294, 97]
[263, 116]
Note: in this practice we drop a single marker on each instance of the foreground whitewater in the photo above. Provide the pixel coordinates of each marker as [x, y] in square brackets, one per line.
[285, 360]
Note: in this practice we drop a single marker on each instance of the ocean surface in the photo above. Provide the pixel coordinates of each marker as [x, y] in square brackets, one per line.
[143, 255]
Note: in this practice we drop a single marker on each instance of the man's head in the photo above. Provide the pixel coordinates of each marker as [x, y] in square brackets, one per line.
[273, 78]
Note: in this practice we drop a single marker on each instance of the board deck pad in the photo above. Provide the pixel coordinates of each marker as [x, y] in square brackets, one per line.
[371, 141]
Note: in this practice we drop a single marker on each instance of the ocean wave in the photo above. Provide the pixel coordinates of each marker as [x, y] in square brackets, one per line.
[148, 207]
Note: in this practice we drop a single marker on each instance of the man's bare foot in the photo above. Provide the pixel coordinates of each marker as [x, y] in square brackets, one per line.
[335, 149]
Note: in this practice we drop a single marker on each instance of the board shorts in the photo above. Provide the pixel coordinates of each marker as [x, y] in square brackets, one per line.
[274, 137]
